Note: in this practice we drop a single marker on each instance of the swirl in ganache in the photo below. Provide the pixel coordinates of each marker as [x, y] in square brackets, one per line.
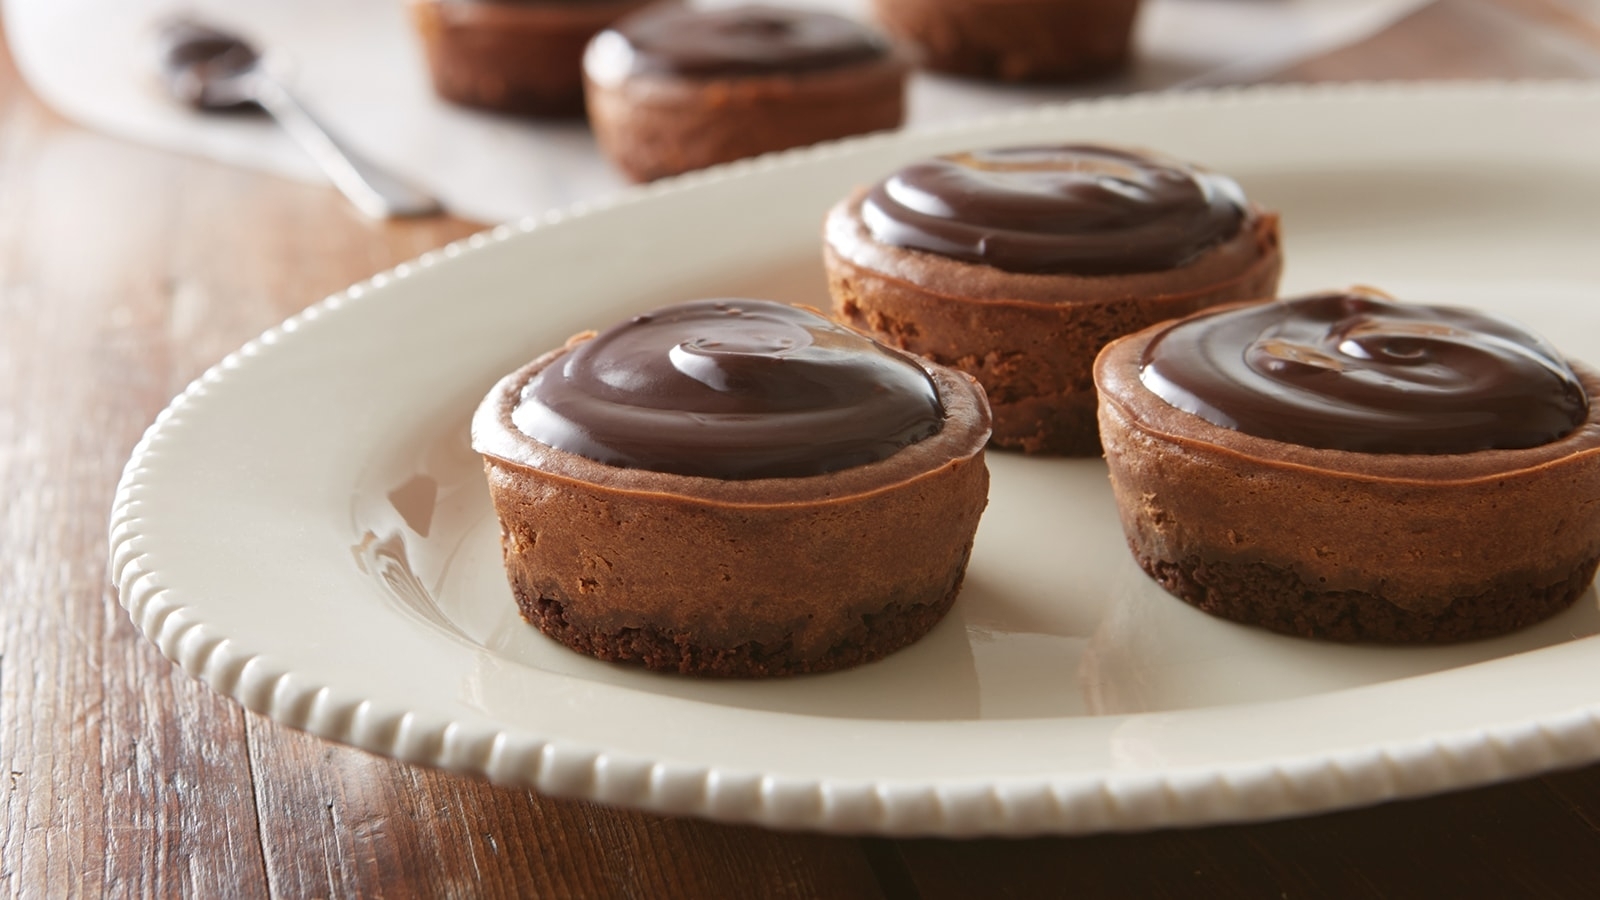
[1076, 209]
[731, 389]
[1355, 371]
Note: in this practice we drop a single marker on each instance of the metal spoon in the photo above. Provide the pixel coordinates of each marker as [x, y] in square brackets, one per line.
[215, 71]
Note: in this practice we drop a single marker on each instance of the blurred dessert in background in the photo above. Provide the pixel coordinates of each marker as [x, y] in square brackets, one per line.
[674, 88]
[515, 56]
[1014, 40]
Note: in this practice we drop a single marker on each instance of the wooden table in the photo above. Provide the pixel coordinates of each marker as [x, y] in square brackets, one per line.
[125, 272]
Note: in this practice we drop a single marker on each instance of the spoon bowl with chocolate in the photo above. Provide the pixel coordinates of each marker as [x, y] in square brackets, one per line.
[217, 71]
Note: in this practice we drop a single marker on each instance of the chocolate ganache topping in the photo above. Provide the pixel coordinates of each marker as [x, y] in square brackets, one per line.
[731, 42]
[1075, 209]
[731, 389]
[1354, 371]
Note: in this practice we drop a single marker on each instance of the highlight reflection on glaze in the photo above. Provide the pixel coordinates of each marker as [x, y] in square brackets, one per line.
[731, 389]
[1075, 209]
[1355, 371]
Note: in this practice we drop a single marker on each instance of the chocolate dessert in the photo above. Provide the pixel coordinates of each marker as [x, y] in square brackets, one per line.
[1345, 467]
[1015, 40]
[675, 88]
[1018, 265]
[515, 56]
[734, 487]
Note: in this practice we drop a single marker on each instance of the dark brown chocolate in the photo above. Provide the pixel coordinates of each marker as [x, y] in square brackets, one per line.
[1074, 209]
[194, 56]
[731, 389]
[873, 636]
[738, 41]
[1354, 371]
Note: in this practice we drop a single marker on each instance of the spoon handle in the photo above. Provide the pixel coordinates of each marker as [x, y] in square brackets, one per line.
[375, 192]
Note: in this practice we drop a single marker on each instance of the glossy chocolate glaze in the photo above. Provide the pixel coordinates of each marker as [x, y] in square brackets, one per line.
[1075, 209]
[731, 389]
[736, 41]
[1356, 371]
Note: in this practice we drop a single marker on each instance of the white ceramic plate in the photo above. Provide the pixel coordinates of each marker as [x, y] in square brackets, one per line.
[306, 530]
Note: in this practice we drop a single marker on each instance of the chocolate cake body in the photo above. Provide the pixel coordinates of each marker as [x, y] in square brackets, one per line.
[736, 577]
[675, 89]
[1030, 337]
[1015, 40]
[513, 56]
[1342, 545]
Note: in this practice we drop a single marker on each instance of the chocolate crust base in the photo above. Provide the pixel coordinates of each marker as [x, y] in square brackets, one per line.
[1343, 545]
[1278, 600]
[1029, 339]
[653, 126]
[1015, 40]
[880, 633]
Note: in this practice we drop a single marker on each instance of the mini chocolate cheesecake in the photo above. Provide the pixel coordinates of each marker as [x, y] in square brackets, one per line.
[1017, 265]
[1345, 467]
[513, 56]
[675, 88]
[734, 487]
[1015, 40]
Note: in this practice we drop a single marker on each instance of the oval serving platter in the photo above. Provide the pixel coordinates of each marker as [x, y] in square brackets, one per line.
[306, 529]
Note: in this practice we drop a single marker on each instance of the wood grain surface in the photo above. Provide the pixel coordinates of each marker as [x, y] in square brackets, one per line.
[125, 272]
